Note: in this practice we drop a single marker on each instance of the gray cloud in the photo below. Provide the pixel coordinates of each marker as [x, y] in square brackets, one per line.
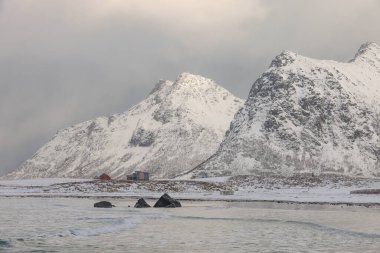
[63, 62]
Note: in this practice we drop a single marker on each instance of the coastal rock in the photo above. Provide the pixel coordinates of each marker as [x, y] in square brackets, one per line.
[141, 203]
[103, 204]
[167, 201]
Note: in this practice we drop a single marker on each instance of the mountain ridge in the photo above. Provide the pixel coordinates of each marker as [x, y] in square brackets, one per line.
[175, 127]
[306, 115]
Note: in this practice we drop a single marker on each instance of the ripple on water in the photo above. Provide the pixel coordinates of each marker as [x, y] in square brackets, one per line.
[115, 225]
[313, 225]
[60, 226]
[4, 244]
[334, 230]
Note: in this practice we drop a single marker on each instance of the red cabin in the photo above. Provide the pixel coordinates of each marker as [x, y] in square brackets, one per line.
[104, 177]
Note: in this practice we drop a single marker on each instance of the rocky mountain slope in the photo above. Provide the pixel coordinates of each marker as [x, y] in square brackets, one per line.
[306, 115]
[176, 127]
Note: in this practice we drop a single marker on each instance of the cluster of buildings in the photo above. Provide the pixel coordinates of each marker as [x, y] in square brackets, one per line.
[135, 176]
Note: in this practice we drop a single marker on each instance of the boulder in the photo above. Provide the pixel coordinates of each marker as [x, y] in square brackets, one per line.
[167, 201]
[141, 203]
[103, 204]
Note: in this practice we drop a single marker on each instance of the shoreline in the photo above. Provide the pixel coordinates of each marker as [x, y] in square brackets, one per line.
[236, 200]
[296, 190]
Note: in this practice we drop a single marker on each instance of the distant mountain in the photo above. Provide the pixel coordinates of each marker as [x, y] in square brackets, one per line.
[175, 128]
[306, 115]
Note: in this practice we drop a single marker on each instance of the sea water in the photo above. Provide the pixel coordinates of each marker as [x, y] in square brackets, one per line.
[74, 225]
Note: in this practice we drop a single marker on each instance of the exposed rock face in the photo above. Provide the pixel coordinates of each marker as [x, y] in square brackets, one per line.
[103, 204]
[175, 128]
[167, 201]
[141, 203]
[306, 115]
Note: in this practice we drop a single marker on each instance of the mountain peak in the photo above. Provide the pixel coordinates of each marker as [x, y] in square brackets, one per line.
[368, 50]
[156, 135]
[368, 46]
[306, 115]
[188, 77]
[193, 82]
[286, 57]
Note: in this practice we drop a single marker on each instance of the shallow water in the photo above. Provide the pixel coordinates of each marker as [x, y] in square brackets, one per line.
[73, 225]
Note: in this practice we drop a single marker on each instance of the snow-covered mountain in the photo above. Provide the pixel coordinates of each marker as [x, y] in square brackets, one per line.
[177, 126]
[306, 115]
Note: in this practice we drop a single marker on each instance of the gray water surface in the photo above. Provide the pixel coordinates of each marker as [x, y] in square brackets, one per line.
[73, 225]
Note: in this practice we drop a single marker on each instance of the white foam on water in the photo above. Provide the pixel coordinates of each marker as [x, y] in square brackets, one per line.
[116, 225]
[113, 225]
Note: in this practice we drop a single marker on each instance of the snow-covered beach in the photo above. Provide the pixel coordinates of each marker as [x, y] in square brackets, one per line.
[293, 190]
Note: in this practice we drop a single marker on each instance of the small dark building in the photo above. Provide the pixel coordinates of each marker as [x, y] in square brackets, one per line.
[139, 176]
[104, 177]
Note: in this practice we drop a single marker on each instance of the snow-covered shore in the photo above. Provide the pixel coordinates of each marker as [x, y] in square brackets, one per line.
[40, 181]
[321, 191]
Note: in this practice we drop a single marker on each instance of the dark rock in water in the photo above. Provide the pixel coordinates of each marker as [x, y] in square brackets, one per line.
[141, 203]
[167, 201]
[103, 204]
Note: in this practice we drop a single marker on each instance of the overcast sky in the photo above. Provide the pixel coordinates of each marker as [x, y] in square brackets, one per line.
[66, 61]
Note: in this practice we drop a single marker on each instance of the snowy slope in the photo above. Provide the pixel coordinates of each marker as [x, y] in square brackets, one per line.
[303, 114]
[175, 128]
